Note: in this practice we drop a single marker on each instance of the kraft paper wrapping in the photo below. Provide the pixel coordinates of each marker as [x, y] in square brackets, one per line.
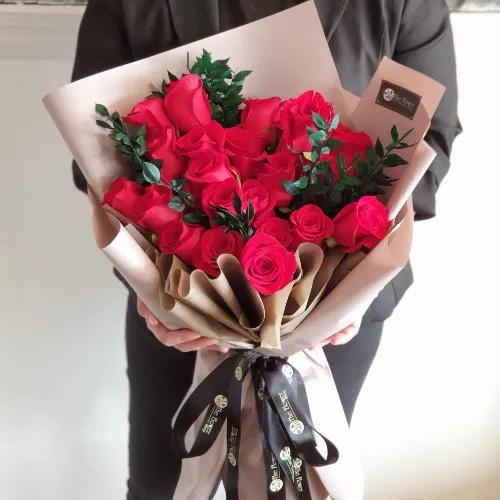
[327, 295]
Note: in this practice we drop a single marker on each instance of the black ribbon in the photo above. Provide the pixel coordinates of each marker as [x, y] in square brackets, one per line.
[283, 411]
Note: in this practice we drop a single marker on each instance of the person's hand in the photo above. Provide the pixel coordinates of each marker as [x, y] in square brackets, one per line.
[343, 336]
[183, 340]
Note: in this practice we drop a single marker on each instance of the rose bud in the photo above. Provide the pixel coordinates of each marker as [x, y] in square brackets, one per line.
[362, 223]
[209, 168]
[181, 239]
[202, 139]
[124, 196]
[267, 264]
[220, 194]
[242, 142]
[214, 243]
[280, 229]
[259, 116]
[187, 103]
[311, 224]
[154, 208]
[296, 115]
[279, 167]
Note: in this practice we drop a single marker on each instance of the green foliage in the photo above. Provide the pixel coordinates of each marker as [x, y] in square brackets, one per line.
[240, 221]
[131, 143]
[223, 87]
[351, 181]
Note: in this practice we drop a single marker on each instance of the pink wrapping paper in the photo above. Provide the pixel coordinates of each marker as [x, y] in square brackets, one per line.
[72, 109]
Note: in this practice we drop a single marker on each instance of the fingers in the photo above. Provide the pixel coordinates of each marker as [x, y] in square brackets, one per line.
[345, 335]
[197, 344]
[342, 337]
[184, 340]
[141, 308]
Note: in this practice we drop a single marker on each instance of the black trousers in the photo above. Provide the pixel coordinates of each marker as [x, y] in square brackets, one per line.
[160, 376]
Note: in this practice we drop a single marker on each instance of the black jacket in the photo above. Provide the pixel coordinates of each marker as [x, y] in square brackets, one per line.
[416, 33]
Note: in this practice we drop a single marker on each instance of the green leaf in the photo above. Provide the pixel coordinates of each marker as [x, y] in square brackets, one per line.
[335, 122]
[371, 156]
[177, 204]
[172, 77]
[138, 132]
[394, 160]
[362, 168]
[351, 181]
[341, 164]
[333, 143]
[319, 121]
[316, 137]
[295, 188]
[379, 149]
[240, 77]
[250, 211]
[237, 204]
[406, 134]
[395, 134]
[151, 172]
[124, 150]
[104, 124]
[192, 218]
[102, 110]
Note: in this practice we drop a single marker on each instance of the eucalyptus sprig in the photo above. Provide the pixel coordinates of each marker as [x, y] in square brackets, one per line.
[131, 143]
[240, 221]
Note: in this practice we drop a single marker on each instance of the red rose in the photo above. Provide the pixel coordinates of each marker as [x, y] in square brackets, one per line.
[280, 229]
[279, 167]
[181, 239]
[220, 194]
[210, 168]
[353, 144]
[151, 113]
[248, 168]
[173, 165]
[161, 136]
[262, 200]
[296, 115]
[242, 142]
[187, 103]
[259, 116]
[311, 224]
[215, 242]
[202, 139]
[267, 264]
[362, 223]
[154, 208]
[124, 196]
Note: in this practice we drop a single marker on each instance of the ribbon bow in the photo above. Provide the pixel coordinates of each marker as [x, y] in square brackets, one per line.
[284, 417]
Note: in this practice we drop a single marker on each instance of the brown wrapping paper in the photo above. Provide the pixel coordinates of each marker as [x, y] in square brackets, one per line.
[328, 292]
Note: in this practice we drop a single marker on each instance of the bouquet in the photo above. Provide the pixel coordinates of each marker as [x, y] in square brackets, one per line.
[271, 195]
[252, 209]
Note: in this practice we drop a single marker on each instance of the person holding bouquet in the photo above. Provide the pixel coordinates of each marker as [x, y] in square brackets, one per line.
[416, 33]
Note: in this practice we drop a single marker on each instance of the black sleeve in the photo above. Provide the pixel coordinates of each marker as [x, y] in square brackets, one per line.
[102, 44]
[425, 43]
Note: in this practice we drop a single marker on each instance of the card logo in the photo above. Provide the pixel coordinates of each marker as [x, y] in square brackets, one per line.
[398, 99]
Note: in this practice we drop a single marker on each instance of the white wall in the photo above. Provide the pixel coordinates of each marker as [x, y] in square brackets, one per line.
[426, 422]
